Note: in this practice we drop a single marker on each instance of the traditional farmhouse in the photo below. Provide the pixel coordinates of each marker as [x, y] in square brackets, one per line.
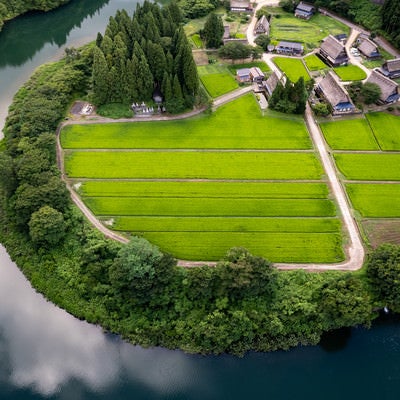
[243, 75]
[241, 6]
[369, 49]
[304, 11]
[335, 95]
[391, 68]
[256, 75]
[289, 48]
[333, 52]
[271, 83]
[262, 26]
[389, 88]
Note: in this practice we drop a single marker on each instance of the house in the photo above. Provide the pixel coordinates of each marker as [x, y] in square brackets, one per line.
[304, 11]
[289, 48]
[227, 32]
[241, 6]
[333, 52]
[391, 68]
[262, 26]
[369, 49]
[389, 89]
[256, 75]
[243, 75]
[338, 98]
[271, 83]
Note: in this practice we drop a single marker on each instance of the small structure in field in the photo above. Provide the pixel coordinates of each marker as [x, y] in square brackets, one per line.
[241, 6]
[304, 11]
[333, 52]
[289, 48]
[243, 75]
[389, 88]
[256, 75]
[337, 97]
[262, 26]
[391, 68]
[369, 49]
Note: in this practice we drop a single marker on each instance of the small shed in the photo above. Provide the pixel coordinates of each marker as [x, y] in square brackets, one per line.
[389, 88]
[304, 11]
[289, 48]
[256, 75]
[369, 49]
[243, 75]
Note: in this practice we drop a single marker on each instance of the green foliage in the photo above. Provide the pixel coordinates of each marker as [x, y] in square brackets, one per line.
[383, 270]
[371, 92]
[213, 31]
[235, 51]
[196, 8]
[115, 110]
[263, 41]
[391, 19]
[290, 99]
[47, 227]
[321, 109]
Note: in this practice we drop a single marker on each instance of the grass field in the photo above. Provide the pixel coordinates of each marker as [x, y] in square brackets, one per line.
[236, 125]
[353, 134]
[314, 63]
[260, 64]
[350, 73]
[379, 167]
[288, 27]
[192, 165]
[386, 128]
[375, 200]
[217, 79]
[276, 190]
[197, 40]
[292, 67]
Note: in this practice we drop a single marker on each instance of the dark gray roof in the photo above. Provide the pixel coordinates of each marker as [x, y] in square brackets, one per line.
[305, 7]
[271, 83]
[388, 87]
[332, 46]
[333, 91]
[291, 45]
[367, 47]
[243, 72]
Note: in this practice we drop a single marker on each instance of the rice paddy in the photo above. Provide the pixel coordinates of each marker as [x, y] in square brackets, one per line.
[292, 67]
[350, 73]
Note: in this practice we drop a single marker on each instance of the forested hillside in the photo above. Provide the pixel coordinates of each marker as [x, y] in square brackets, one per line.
[147, 53]
[12, 8]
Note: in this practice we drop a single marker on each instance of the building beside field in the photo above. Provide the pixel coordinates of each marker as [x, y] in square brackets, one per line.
[389, 88]
[241, 6]
[391, 68]
[256, 75]
[243, 75]
[333, 52]
[337, 97]
[369, 49]
[271, 83]
[289, 48]
[262, 26]
[304, 11]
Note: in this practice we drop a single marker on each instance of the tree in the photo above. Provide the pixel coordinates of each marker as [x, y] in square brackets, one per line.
[263, 41]
[371, 92]
[213, 31]
[235, 51]
[47, 226]
[100, 77]
[383, 270]
[143, 79]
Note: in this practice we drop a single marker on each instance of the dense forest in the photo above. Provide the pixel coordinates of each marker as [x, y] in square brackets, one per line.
[12, 8]
[136, 290]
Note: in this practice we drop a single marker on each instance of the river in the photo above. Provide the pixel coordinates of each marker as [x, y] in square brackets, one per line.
[47, 354]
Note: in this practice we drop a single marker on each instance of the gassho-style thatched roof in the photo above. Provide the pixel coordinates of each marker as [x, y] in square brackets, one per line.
[271, 83]
[387, 86]
[332, 47]
[367, 47]
[393, 65]
[262, 23]
[333, 91]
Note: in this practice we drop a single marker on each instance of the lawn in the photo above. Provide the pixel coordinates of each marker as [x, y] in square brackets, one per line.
[374, 167]
[236, 125]
[277, 190]
[217, 79]
[350, 73]
[386, 128]
[375, 200]
[311, 32]
[292, 67]
[352, 134]
[197, 40]
[314, 63]
[192, 165]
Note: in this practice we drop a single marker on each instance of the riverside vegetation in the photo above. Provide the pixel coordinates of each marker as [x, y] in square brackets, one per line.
[242, 304]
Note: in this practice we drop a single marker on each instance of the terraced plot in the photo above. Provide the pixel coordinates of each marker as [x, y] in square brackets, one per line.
[353, 134]
[386, 128]
[236, 125]
[196, 202]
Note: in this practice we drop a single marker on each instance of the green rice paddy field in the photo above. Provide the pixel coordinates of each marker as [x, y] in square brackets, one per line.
[350, 73]
[217, 79]
[262, 200]
[314, 63]
[386, 128]
[236, 125]
[292, 67]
